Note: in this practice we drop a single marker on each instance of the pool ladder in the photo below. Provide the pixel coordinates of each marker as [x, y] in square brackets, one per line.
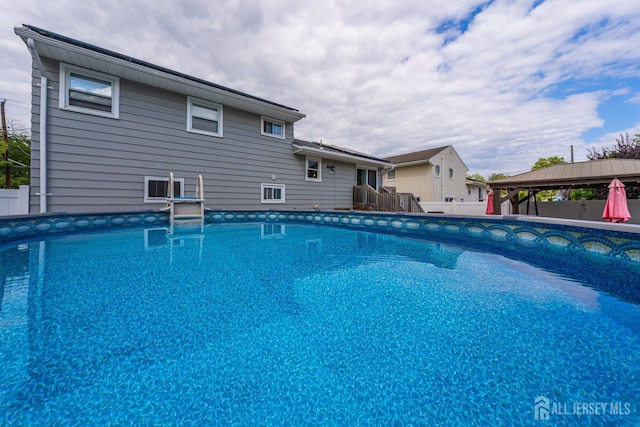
[185, 209]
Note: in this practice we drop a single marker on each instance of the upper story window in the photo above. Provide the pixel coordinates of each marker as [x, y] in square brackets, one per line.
[437, 170]
[156, 188]
[450, 173]
[204, 117]
[391, 175]
[87, 91]
[271, 127]
[272, 193]
[314, 169]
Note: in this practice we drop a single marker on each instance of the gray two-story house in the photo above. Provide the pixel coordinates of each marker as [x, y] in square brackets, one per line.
[107, 130]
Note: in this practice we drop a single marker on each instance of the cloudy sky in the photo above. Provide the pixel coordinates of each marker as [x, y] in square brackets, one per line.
[504, 82]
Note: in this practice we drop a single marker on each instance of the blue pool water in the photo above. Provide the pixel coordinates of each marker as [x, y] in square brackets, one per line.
[289, 324]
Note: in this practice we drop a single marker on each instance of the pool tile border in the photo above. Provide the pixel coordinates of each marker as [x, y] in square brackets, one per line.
[516, 232]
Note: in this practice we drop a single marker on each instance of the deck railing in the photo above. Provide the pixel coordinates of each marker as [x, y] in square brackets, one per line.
[367, 198]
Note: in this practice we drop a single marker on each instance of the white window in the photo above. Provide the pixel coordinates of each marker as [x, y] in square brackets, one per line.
[204, 117]
[155, 188]
[314, 169]
[272, 193]
[90, 92]
[450, 173]
[391, 175]
[437, 170]
[271, 127]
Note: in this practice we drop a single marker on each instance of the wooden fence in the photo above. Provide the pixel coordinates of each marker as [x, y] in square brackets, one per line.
[367, 198]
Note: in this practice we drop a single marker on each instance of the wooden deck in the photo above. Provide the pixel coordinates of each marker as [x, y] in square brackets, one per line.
[367, 198]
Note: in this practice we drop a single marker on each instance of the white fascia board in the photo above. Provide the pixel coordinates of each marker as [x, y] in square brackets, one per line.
[184, 85]
[414, 163]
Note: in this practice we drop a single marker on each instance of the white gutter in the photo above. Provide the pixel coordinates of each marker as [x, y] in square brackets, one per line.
[43, 125]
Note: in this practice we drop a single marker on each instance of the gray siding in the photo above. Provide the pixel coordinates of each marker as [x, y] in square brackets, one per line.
[98, 164]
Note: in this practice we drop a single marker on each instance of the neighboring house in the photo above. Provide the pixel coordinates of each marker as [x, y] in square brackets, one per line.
[434, 175]
[476, 190]
[107, 130]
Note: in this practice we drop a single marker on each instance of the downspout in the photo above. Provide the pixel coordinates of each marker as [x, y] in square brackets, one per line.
[43, 124]
[442, 177]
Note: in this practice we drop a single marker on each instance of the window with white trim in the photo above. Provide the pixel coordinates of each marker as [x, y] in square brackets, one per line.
[204, 117]
[272, 193]
[155, 188]
[87, 91]
[272, 127]
[314, 169]
[450, 173]
[391, 175]
[437, 170]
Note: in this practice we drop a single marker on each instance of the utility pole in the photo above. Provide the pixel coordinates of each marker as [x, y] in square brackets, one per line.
[572, 154]
[5, 137]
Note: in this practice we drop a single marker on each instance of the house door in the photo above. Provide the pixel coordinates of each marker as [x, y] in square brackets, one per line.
[367, 177]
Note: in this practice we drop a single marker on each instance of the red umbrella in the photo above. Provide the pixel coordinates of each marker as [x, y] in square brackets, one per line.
[489, 210]
[616, 208]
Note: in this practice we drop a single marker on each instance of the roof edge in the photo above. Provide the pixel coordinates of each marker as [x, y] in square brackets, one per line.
[339, 153]
[29, 31]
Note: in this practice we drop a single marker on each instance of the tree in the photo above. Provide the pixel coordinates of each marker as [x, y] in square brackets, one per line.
[19, 158]
[545, 162]
[625, 148]
[497, 176]
[477, 177]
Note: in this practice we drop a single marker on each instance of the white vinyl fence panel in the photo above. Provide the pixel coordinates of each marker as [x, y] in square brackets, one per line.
[14, 202]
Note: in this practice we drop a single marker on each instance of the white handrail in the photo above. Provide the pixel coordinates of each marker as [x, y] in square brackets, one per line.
[170, 189]
[199, 188]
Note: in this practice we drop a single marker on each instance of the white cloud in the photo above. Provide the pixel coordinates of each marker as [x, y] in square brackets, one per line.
[380, 77]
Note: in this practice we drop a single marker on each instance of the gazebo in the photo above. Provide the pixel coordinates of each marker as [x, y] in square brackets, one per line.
[590, 174]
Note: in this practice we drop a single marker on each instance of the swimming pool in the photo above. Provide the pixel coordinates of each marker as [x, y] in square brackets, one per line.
[264, 323]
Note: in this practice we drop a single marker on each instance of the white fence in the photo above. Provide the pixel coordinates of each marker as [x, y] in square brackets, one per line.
[461, 208]
[14, 202]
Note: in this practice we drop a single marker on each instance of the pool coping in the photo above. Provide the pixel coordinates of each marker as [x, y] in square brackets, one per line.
[621, 241]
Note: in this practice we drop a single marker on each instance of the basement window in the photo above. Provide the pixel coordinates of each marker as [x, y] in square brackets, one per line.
[155, 188]
[272, 193]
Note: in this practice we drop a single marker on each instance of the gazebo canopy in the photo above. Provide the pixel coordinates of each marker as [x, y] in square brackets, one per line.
[594, 173]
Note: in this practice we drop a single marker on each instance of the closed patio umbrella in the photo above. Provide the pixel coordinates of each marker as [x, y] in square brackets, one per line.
[616, 210]
[489, 210]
